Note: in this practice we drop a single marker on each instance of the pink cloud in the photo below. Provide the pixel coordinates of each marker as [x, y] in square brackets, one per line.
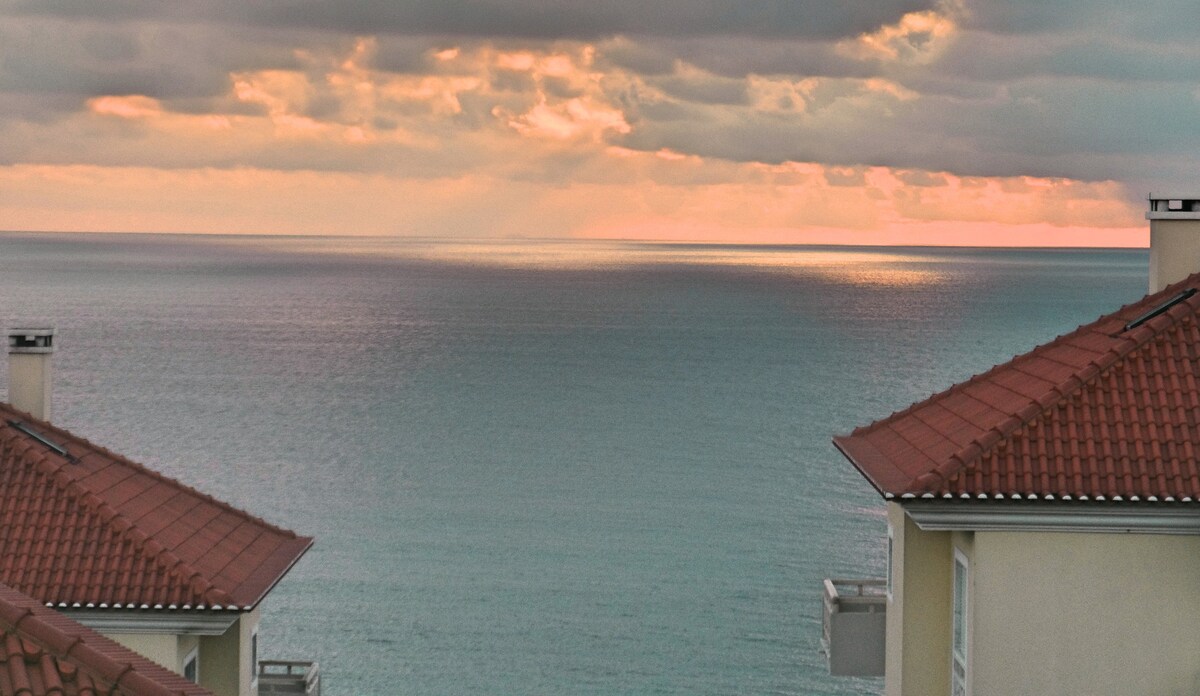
[519, 141]
[648, 196]
[134, 106]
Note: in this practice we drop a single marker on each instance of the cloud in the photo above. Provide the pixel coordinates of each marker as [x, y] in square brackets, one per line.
[690, 83]
[136, 106]
[542, 19]
[648, 196]
[1162, 20]
[908, 100]
[456, 105]
[476, 107]
[163, 60]
[918, 38]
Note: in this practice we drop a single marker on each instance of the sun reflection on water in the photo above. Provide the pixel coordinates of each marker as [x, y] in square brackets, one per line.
[867, 267]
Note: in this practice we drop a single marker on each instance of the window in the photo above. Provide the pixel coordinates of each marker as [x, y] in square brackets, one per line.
[191, 666]
[890, 557]
[959, 686]
[254, 657]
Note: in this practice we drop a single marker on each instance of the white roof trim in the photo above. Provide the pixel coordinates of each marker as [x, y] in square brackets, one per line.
[1075, 516]
[207, 624]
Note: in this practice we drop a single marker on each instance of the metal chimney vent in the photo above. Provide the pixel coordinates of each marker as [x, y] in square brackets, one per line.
[31, 341]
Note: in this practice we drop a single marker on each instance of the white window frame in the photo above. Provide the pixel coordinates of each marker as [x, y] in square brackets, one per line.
[960, 663]
[193, 655]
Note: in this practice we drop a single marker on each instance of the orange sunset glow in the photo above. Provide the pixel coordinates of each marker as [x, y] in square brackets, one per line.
[924, 123]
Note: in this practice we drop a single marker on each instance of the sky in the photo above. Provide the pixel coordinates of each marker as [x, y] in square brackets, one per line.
[966, 122]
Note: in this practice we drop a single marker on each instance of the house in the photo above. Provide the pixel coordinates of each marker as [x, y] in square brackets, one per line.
[152, 564]
[43, 653]
[1044, 516]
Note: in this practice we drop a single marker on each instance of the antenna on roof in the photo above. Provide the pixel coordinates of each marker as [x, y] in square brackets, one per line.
[1160, 309]
[52, 445]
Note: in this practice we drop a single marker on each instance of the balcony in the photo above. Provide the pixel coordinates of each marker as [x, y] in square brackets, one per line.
[288, 677]
[853, 626]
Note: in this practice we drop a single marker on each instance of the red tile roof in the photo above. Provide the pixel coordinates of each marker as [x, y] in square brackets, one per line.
[43, 653]
[1105, 412]
[91, 528]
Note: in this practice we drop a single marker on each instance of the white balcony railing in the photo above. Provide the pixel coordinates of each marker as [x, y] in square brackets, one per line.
[289, 677]
[854, 624]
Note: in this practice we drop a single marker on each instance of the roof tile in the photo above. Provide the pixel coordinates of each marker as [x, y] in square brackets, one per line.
[95, 527]
[43, 653]
[1101, 411]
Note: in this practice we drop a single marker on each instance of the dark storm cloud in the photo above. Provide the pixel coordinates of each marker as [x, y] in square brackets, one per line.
[994, 58]
[405, 54]
[165, 61]
[34, 107]
[514, 18]
[735, 56]
[1066, 89]
[1076, 129]
[1154, 19]
[703, 89]
[568, 19]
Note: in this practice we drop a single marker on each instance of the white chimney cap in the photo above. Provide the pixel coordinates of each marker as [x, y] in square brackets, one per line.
[1174, 207]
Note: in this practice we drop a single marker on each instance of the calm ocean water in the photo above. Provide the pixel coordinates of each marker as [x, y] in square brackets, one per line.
[536, 468]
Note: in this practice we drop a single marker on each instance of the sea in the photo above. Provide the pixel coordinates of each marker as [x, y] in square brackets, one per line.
[536, 466]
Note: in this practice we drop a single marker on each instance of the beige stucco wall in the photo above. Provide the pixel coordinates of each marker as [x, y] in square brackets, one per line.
[159, 647]
[1074, 613]
[918, 620]
[225, 659]
[1174, 251]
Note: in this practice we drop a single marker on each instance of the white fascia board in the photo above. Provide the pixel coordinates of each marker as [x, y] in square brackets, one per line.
[206, 623]
[1012, 516]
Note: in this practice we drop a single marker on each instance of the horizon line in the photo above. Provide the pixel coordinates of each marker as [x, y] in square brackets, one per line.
[619, 240]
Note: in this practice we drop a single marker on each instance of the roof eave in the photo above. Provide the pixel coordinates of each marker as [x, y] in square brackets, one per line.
[1142, 517]
[846, 445]
[298, 548]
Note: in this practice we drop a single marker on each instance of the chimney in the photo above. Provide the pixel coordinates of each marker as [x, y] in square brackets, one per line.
[1174, 239]
[29, 352]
